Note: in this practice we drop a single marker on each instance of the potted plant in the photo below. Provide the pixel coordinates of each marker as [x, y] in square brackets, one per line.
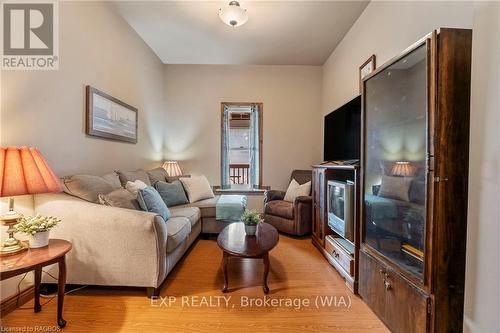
[37, 228]
[251, 219]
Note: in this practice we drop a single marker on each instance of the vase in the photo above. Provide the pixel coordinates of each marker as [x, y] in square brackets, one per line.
[250, 229]
[40, 239]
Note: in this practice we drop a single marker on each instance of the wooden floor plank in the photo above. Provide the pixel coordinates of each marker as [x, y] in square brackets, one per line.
[298, 272]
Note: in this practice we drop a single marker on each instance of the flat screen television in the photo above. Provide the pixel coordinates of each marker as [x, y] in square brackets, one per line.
[343, 132]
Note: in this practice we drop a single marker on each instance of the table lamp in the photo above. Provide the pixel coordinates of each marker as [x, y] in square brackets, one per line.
[172, 168]
[402, 169]
[22, 171]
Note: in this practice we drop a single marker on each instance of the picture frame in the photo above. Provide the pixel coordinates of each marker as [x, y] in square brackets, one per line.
[365, 69]
[109, 118]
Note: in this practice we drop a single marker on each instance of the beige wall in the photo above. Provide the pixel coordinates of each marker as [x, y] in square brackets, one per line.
[291, 97]
[387, 28]
[482, 291]
[46, 108]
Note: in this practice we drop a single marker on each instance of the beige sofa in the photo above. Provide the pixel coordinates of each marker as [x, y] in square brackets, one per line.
[122, 247]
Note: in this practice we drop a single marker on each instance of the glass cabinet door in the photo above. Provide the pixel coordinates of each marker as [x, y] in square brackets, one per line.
[395, 161]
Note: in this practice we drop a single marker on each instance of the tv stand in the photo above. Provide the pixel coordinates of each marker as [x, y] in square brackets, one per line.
[342, 254]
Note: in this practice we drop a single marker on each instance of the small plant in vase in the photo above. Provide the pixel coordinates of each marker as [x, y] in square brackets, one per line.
[251, 219]
[37, 228]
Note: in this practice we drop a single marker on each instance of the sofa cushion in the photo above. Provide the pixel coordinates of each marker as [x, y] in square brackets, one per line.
[88, 187]
[150, 201]
[280, 208]
[130, 176]
[121, 198]
[171, 179]
[193, 214]
[197, 188]
[157, 175]
[173, 194]
[207, 206]
[178, 230]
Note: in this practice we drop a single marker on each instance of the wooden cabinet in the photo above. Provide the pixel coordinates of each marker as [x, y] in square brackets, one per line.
[414, 163]
[340, 252]
[318, 188]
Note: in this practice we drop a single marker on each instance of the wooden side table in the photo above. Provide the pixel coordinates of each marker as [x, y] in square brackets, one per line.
[35, 260]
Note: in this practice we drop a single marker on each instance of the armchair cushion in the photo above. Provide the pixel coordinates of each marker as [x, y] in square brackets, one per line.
[296, 190]
[280, 208]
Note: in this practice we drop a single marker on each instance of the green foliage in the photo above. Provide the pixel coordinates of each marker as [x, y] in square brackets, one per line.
[250, 217]
[30, 225]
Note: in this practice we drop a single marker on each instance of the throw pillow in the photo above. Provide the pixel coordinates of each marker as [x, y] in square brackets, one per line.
[395, 188]
[197, 188]
[157, 175]
[135, 186]
[130, 176]
[172, 193]
[296, 190]
[150, 201]
[88, 187]
[120, 198]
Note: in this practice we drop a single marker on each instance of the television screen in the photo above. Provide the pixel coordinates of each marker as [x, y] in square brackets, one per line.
[343, 132]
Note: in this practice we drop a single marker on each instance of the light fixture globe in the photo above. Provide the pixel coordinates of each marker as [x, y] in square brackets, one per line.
[233, 15]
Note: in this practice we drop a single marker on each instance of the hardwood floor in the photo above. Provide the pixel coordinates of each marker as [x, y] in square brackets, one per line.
[298, 272]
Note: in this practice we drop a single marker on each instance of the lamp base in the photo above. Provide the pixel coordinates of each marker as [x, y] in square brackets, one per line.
[12, 246]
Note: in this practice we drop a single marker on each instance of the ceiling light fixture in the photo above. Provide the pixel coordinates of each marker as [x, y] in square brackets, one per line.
[233, 15]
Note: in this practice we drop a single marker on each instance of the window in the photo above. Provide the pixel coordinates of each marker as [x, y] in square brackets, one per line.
[241, 145]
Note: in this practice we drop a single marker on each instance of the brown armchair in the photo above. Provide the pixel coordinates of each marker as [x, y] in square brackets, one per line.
[294, 218]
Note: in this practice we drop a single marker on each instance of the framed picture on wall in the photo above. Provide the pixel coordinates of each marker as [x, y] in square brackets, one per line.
[109, 118]
[365, 69]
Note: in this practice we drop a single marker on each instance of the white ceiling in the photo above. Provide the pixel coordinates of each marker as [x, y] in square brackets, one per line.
[277, 32]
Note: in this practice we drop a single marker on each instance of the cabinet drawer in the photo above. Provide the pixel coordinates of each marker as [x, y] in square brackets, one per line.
[343, 258]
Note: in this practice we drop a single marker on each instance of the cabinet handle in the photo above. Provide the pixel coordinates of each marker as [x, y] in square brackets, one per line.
[387, 285]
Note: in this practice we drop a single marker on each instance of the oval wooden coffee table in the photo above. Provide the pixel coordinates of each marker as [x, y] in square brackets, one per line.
[235, 242]
[35, 260]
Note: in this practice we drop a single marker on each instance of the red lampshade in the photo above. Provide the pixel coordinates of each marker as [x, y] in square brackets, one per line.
[24, 171]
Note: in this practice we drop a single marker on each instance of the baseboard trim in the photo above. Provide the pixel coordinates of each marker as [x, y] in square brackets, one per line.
[11, 303]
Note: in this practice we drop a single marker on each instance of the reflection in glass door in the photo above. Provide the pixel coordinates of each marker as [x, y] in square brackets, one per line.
[395, 161]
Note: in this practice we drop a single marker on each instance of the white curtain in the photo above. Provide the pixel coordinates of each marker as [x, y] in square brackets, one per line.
[254, 146]
[225, 182]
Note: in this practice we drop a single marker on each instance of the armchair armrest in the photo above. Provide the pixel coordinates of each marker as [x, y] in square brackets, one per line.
[302, 207]
[303, 200]
[271, 195]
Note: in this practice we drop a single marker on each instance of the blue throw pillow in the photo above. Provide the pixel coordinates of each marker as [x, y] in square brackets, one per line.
[172, 193]
[151, 201]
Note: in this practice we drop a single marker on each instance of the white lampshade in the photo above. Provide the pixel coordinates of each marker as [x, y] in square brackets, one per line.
[402, 169]
[233, 15]
[172, 168]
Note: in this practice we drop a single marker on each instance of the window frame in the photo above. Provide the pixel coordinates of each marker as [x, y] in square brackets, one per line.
[260, 110]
